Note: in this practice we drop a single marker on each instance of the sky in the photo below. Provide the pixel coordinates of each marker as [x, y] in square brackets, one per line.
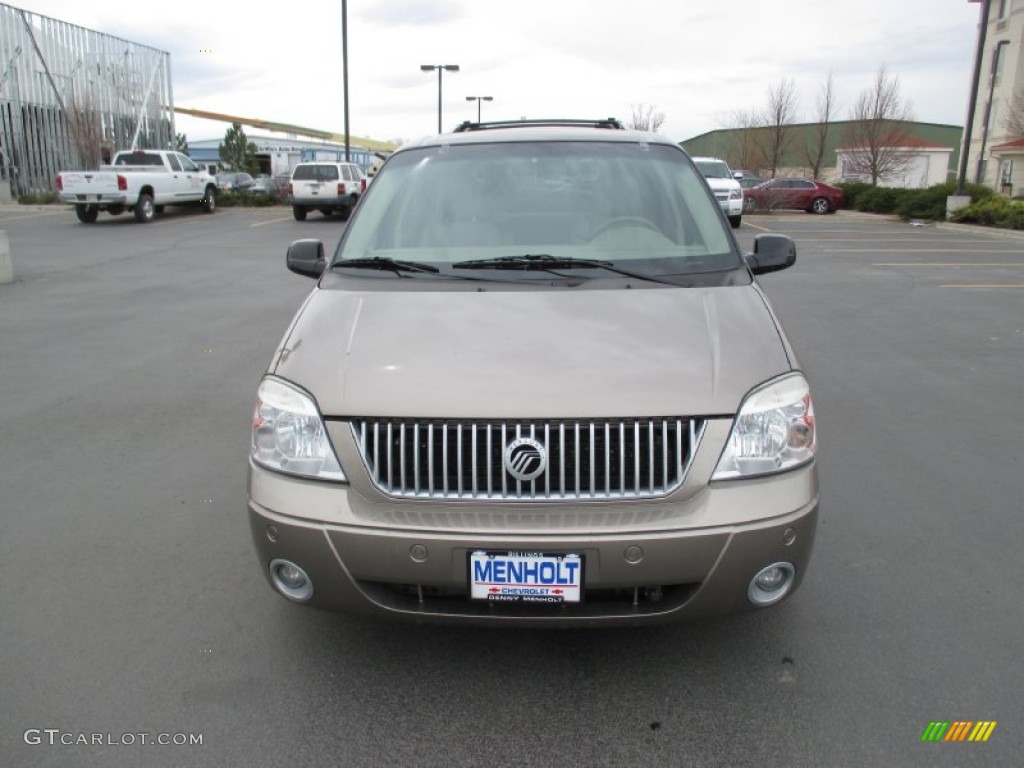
[698, 62]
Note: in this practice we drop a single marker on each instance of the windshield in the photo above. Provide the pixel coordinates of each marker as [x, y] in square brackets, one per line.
[630, 204]
[713, 169]
[315, 173]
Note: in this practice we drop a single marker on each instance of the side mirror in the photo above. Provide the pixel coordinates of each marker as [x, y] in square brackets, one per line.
[306, 257]
[771, 253]
[737, 175]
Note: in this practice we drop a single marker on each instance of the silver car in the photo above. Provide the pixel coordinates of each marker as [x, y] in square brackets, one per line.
[536, 383]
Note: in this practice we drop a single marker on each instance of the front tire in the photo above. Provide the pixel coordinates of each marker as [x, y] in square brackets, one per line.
[87, 214]
[209, 201]
[749, 204]
[299, 212]
[820, 205]
[734, 221]
[144, 209]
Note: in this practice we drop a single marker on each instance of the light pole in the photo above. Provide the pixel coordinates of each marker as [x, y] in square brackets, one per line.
[344, 70]
[440, 68]
[979, 51]
[478, 99]
[980, 176]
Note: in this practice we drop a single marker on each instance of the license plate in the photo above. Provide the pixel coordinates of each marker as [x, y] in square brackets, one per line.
[92, 198]
[525, 577]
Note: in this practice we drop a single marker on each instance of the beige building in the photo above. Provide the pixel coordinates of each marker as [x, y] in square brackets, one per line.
[996, 150]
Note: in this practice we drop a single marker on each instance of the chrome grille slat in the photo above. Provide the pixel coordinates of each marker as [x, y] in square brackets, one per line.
[635, 458]
[444, 458]
[650, 453]
[622, 458]
[472, 453]
[593, 451]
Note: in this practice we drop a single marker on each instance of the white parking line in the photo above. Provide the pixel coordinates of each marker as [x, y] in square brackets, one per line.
[949, 264]
[270, 221]
[32, 216]
[982, 285]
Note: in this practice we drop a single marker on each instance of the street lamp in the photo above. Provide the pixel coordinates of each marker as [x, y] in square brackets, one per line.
[344, 71]
[440, 68]
[478, 99]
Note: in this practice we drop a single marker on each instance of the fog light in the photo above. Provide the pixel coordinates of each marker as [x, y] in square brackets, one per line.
[290, 580]
[771, 584]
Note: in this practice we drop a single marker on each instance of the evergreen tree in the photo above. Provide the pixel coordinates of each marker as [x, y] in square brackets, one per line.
[237, 153]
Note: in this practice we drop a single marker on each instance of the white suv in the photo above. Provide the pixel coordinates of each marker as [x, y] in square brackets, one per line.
[326, 187]
[725, 185]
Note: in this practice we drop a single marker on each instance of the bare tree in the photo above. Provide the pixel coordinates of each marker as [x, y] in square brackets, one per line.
[876, 136]
[646, 118]
[818, 138]
[778, 119]
[1014, 120]
[86, 128]
[745, 149]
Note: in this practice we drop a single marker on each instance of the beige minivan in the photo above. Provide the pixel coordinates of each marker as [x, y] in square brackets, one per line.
[535, 383]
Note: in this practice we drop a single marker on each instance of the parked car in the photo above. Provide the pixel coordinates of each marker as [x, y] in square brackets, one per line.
[142, 181]
[261, 185]
[724, 184]
[804, 194]
[234, 182]
[512, 403]
[326, 187]
[748, 181]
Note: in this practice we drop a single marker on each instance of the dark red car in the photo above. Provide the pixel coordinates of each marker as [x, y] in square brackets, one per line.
[807, 195]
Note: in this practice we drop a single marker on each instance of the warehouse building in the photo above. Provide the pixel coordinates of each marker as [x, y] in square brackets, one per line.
[279, 156]
[70, 97]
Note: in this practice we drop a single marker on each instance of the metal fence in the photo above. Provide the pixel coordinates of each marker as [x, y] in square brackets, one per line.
[70, 97]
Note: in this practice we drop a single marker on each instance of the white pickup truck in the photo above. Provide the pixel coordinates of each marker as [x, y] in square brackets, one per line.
[143, 181]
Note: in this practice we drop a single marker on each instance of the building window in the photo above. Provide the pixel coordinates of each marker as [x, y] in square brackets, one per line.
[1006, 173]
[1003, 7]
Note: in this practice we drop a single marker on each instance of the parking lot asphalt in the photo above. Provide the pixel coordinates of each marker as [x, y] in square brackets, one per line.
[131, 600]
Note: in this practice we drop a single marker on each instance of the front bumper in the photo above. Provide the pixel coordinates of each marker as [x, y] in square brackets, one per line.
[733, 207]
[694, 568]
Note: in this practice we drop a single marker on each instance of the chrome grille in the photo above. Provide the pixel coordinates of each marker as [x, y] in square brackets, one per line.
[635, 458]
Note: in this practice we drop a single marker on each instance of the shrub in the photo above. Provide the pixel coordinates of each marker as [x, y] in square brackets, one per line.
[929, 203]
[226, 199]
[994, 211]
[880, 199]
[853, 190]
[40, 198]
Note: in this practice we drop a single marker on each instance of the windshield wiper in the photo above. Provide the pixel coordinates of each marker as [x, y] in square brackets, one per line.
[547, 263]
[377, 262]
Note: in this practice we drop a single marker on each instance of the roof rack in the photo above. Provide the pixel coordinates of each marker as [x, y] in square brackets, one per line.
[608, 122]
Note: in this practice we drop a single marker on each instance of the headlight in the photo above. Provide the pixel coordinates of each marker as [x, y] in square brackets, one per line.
[735, 194]
[288, 434]
[773, 431]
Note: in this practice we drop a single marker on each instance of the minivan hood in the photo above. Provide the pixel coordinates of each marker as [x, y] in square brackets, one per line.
[547, 353]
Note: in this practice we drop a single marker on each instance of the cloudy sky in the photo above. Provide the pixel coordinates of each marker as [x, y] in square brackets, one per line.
[699, 62]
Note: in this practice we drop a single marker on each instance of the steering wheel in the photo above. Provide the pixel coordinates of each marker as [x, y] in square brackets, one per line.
[626, 221]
